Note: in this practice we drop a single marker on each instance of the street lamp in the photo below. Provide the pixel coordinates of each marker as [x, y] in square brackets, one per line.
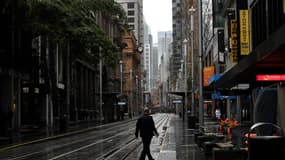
[185, 73]
[137, 94]
[121, 77]
[201, 105]
[121, 89]
[101, 89]
[130, 109]
[142, 93]
[192, 10]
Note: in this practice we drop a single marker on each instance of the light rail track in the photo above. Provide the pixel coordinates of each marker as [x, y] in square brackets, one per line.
[108, 142]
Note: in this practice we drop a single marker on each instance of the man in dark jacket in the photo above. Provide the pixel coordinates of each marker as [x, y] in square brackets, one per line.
[146, 128]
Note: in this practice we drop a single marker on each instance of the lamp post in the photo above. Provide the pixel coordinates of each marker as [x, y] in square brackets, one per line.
[137, 94]
[130, 110]
[121, 89]
[182, 68]
[121, 76]
[192, 10]
[201, 105]
[185, 73]
[142, 94]
[100, 101]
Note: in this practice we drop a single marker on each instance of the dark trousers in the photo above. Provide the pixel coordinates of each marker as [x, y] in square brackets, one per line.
[146, 151]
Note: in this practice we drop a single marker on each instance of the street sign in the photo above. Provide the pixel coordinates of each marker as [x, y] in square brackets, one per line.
[177, 101]
[122, 103]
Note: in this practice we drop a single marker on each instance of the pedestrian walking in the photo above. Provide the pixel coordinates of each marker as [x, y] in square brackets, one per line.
[146, 129]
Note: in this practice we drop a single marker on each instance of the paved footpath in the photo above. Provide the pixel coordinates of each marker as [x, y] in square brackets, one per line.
[178, 143]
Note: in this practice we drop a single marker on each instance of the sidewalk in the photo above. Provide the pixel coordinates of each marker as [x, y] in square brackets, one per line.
[179, 141]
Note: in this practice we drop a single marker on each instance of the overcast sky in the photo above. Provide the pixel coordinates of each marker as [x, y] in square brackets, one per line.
[158, 15]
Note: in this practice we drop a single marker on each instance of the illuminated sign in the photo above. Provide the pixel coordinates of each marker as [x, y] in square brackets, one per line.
[270, 77]
[244, 32]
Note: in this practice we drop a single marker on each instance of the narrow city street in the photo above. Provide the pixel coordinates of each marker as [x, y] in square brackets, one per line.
[115, 141]
[79, 79]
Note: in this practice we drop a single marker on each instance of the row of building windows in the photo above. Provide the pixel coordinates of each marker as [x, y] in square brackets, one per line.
[131, 5]
[131, 12]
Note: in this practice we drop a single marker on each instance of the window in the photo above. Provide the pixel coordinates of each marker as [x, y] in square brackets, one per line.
[131, 13]
[131, 27]
[131, 5]
[131, 20]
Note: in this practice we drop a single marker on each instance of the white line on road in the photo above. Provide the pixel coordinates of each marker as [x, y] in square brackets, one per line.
[81, 148]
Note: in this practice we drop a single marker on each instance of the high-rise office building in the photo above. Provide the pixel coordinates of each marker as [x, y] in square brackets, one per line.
[148, 40]
[177, 28]
[154, 66]
[134, 12]
[164, 39]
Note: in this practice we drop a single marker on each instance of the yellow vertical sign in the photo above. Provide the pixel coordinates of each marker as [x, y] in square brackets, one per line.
[284, 6]
[244, 32]
[234, 41]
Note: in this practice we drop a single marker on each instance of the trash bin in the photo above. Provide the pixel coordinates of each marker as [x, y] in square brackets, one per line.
[192, 120]
[266, 146]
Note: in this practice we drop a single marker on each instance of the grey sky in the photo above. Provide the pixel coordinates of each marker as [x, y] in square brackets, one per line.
[158, 15]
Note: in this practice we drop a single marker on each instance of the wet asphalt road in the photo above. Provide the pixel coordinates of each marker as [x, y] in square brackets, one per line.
[113, 142]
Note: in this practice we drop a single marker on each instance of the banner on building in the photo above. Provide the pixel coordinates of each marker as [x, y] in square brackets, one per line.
[221, 46]
[208, 72]
[234, 41]
[244, 33]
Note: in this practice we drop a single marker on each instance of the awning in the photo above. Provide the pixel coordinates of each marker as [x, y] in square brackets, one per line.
[219, 96]
[214, 78]
[267, 57]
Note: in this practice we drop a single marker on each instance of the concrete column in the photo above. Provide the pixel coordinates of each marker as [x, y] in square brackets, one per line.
[12, 99]
[18, 103]
[238, 115]
[68, 85]
[228, 115]
[280, 108]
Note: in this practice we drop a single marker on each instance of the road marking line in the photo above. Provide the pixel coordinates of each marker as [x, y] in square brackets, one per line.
[26, 155]
[81, 148]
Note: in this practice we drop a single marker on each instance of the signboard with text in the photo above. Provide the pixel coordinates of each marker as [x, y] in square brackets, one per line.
[234, 41]
[208, 72]
[244, 32]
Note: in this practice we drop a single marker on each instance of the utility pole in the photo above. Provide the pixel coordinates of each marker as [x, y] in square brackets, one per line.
[185, 74]
[121, 77]
[137, 94]
[130, 111]
[100, 101]
[201, 99]
[192, 10]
